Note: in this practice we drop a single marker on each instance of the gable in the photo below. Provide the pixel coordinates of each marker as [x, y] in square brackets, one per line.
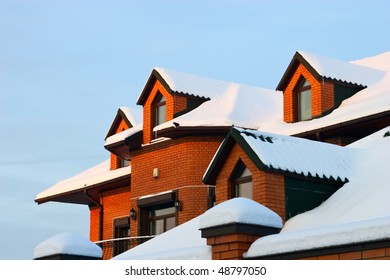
[121, 122]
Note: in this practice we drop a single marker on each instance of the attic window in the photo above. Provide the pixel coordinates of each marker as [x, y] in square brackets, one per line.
[303, 93]
[160, 110]
[242, 181]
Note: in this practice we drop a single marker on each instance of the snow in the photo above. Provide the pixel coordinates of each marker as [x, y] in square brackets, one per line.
[121, 136]
[69, 244]
[299, 155]
[357, 212]
[238, 105]
[343, 71]
[97, 174]
[181, 242]
[240, 210]
[134, 115]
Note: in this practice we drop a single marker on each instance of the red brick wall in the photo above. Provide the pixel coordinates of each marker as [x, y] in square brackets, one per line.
[372, 254]
[322, 95]
[116, 204]
[174, 104]
[182, 163]
[268, 188]
[115, 160]
[94, 213]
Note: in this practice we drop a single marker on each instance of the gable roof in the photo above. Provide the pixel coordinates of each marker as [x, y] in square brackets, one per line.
[325, 68]
[123, 113]
[285, 154]
[357, 212]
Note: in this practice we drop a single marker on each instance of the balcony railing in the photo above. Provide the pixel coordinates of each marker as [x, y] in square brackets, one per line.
[113, 247]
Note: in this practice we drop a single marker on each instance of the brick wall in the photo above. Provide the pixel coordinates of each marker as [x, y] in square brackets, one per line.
[268, 188]
[115, 160]
[94, 213]
[372, 254]
[182, 163]
[174, 104]
[322, 95]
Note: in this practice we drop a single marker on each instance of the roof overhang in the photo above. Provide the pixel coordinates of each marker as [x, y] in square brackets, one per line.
[182, 131]
[88, 195]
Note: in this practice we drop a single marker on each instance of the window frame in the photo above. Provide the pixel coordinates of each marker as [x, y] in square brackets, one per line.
[159, 103]
[237, 179]
[299, 91]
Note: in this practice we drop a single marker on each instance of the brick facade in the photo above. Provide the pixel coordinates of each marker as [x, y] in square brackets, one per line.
[181, 164]
[268, 188]
[322, 95]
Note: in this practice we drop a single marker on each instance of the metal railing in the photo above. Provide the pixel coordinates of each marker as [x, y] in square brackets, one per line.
[113, 247]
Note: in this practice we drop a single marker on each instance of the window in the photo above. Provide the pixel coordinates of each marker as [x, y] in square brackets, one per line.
[242, 181]
[121, 230]
[161, 219]
[304, 100]
[160, 110]
[123, 162]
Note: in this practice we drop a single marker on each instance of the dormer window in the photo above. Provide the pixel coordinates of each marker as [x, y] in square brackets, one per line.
[160, 110]
[242, 181]
[304, 100]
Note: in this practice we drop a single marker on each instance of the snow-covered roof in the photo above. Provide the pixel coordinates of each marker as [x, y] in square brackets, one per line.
[98, 174]
[300, 156]
[286, 154]
[357, 212]
[240, 210]
[67, 244]
[183, 242]
[237, 105]
[121, 136]
[348, 72]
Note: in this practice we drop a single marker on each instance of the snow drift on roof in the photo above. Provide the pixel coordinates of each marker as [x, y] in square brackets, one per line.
[121, 136]
[134, 115]
[237, 105]
[342, 71]
[240, 210]
[300, 156]
[97, 174]
[67, 244]
[357, 212]
[183, 242]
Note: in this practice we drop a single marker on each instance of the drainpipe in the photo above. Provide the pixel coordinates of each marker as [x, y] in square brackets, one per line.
[97, 203]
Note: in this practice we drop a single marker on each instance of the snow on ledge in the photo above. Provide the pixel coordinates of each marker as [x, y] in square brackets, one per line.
[240, 210]
[68, 244]
[321, 237]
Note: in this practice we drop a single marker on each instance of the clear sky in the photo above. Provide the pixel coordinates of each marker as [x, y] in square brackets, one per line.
[67, 65]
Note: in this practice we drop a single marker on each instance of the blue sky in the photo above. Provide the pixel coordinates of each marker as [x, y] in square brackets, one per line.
[66, 66]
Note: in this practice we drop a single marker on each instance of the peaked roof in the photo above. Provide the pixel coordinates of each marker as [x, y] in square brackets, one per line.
[286, 154]
[326, 68]
[123, 113]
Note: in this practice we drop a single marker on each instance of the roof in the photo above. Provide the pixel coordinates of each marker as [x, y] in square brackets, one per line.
[286, 154]
[358, 212]
[327, 68]
[72, 190]
[182, 83]
[130, 116]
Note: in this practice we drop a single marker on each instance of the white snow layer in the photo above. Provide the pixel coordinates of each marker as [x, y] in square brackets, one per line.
[97, 174]
[344, 71]
[299, 155]
[68, 244]
[183, 242]
[121, 136]
[359, 211]
[240, 210]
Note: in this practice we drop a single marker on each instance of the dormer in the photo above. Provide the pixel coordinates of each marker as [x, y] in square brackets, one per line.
[122, 121]
[165, 97]
[313, 86]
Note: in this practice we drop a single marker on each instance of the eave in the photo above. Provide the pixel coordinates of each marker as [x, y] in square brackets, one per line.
[182, 131]
[84, 195]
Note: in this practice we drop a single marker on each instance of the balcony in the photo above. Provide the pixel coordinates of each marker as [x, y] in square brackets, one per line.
[113, 247]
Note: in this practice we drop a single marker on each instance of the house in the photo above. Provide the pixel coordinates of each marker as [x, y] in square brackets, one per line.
[202, 142]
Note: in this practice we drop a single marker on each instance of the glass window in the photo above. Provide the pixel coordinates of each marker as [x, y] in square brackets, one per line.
[161, 109]
[161, 219]
[304, 101]
[242, 182]
[122, 230]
